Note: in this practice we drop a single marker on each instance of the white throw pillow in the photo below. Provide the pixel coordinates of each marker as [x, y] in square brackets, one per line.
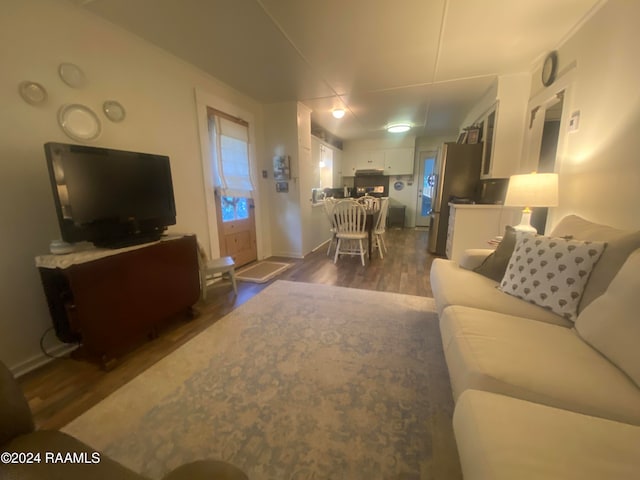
[611, 323]
[550, 272]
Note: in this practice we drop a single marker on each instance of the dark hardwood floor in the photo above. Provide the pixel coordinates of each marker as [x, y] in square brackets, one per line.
[65, 388]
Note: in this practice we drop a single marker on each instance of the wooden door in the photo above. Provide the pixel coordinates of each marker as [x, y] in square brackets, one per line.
[237, 229]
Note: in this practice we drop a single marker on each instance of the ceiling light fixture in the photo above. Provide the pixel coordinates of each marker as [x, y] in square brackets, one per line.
[399, 128]
[338, 113]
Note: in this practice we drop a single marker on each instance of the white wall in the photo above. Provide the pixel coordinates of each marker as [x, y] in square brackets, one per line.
[157, 91]
[281, 138]
[510, 124]
[599, 165]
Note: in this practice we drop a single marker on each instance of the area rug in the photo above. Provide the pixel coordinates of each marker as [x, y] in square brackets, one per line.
[302, 382]
[262, 272]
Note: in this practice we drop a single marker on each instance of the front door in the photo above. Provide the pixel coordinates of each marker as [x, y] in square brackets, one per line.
[237, 229]
[425, 188]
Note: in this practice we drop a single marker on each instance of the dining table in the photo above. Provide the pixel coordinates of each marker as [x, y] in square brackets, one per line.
[372, 213]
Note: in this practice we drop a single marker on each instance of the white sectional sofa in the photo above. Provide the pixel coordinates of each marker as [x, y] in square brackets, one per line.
[539, 394]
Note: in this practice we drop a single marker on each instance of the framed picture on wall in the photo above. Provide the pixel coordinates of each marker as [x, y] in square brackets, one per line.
[462, 138]
[281, 167]
[473, 135]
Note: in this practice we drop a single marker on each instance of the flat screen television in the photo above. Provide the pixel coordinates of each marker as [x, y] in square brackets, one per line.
[112, 198]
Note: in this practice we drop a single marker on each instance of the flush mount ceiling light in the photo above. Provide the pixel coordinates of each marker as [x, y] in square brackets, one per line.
[338, 113]
[399, 128]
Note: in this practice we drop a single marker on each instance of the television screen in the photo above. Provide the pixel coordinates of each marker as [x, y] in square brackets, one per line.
[110, 197]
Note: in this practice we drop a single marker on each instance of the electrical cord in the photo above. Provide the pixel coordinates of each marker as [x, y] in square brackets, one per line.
[45, 351]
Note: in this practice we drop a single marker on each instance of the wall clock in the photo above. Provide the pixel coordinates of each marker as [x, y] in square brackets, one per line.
[550, 68]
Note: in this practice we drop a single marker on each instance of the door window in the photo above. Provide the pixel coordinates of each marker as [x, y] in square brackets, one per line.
[234, 208]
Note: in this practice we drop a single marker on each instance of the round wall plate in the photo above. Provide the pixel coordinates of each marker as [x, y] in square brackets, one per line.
[33, 93]
[72, 75]
[79, 122]
[114, 110]
[550, 68]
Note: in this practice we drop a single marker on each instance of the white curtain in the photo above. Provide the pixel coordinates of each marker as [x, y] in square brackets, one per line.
[230, 151]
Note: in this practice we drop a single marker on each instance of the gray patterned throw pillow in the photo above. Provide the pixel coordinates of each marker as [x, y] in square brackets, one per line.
[550, 272]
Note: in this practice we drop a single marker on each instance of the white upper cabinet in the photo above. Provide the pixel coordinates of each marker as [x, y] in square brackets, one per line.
[349, 163]
[398, 161]
[392, 161]
[370, 159]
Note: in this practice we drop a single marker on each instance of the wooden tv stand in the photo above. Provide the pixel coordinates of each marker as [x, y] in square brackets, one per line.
[110, 300]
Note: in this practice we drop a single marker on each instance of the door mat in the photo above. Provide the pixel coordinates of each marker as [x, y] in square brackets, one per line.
[262, 272]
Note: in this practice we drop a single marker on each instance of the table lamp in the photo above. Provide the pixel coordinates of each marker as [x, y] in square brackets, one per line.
[531, 190]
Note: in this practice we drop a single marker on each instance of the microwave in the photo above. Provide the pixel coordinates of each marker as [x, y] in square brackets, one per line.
[317, 195]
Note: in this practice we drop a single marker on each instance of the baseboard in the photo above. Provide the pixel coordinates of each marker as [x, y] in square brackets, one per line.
[321, 245]
[38, 361]
[288, 254]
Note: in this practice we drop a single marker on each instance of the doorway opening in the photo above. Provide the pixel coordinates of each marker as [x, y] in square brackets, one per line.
[548, 152]
[233, 186]
[426, 180]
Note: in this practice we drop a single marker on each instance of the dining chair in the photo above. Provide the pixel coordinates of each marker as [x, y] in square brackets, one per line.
[369, 202]
[328, 204]
[351, 218]
[381, 223]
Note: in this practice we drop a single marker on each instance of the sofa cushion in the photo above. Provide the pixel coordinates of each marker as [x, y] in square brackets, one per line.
[550, 272]
[472, 258]
[611, 323]
[620, 244]
[504, 438]
[452, 285]
[495, 264]
[15, 414]
[534, 361]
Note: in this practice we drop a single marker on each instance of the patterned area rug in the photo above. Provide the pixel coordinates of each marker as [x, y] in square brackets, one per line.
[301, 382]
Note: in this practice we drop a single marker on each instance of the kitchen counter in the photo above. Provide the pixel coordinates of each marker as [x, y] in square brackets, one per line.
[474, 225]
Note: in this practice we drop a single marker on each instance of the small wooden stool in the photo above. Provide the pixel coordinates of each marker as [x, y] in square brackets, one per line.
[223, 265]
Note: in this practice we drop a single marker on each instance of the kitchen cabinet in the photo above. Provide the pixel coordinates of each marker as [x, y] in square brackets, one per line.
[349, 163]
[487, 150]
[398, 161]
[391, 161]
[472, 226]
[370, 160]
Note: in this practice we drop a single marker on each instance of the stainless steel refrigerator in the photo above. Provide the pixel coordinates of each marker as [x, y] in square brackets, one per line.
[456, 178]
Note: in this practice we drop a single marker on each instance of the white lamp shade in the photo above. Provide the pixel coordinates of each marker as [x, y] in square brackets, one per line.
[532, 190]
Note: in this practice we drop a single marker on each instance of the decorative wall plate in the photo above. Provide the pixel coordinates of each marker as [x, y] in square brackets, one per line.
[79, 122]
[399, 185]
[549, 68]
[113, 110]
[31, 92]
[72, 75]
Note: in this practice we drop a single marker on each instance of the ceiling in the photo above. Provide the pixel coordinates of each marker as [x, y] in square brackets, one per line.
[426, 62]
